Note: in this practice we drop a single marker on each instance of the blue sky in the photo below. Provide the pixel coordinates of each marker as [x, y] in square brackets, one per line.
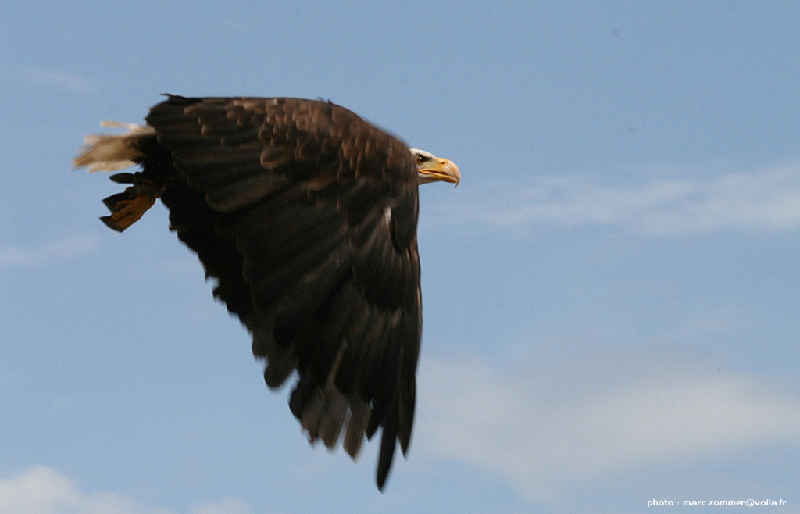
[611, 294]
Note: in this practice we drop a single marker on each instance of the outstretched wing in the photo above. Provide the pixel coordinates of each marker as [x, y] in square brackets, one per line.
[306, 217]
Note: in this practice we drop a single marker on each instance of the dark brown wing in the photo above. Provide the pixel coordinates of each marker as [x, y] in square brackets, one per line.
[306, 216]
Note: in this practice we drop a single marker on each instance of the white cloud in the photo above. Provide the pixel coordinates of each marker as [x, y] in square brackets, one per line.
[767, 199]
[43, 253]
[226, 506]
[549, 428]
[62, 79]
[42, 490]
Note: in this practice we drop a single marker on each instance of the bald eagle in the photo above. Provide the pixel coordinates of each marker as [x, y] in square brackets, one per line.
[305, 215]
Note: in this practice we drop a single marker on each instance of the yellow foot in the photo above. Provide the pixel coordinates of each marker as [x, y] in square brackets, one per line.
[128, 212]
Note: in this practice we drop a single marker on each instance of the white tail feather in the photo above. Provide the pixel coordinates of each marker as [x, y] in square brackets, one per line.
[111, 152]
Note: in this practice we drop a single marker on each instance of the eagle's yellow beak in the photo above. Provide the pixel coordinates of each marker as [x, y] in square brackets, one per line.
[433, 169]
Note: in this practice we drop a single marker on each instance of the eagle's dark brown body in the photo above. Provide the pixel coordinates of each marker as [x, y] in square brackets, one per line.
[305, 215]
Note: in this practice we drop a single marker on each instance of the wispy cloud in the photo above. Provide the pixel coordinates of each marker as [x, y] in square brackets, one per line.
[12, 255]
[42, 490]
[547, 429]
[767, 199]
[63, 79]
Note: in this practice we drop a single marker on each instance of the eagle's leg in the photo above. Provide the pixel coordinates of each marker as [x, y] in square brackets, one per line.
[130, 205]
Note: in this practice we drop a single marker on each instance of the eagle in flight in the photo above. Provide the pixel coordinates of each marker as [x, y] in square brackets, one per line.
[305, 216]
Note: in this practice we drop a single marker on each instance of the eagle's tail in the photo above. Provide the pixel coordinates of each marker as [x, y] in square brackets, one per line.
[110, 152]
